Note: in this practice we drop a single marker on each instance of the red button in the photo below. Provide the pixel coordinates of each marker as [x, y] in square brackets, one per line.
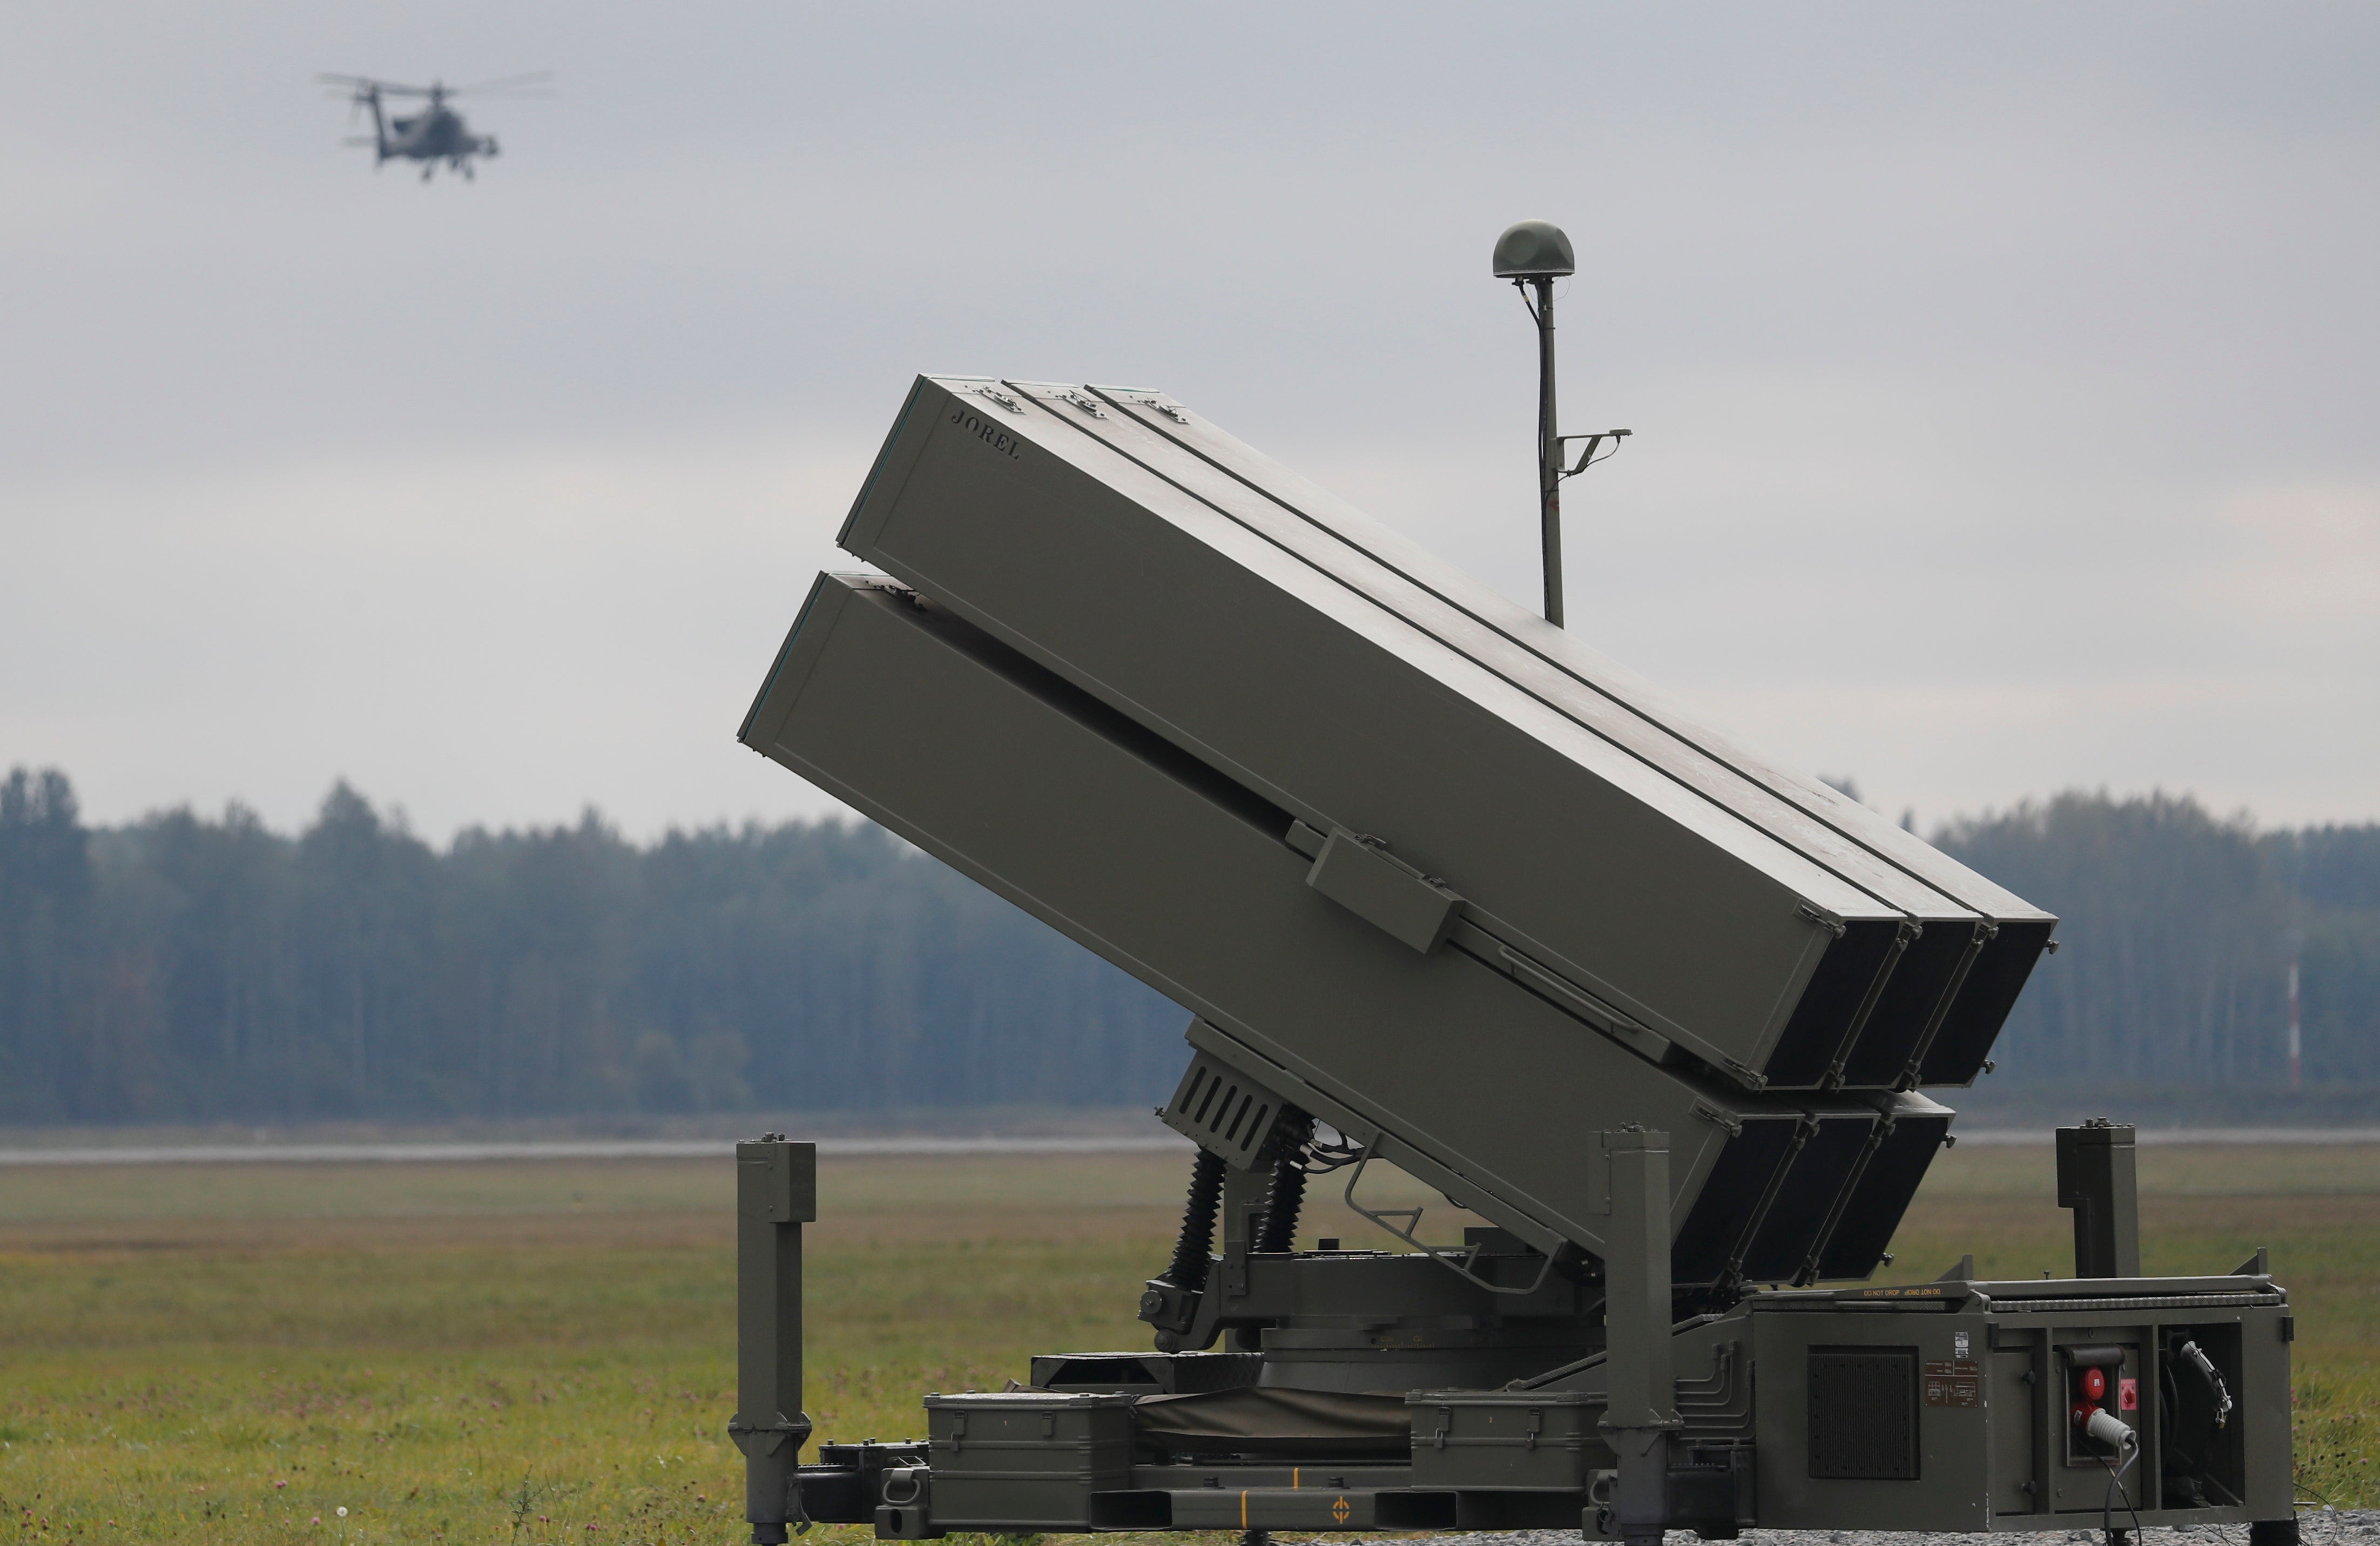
[2094, 1384]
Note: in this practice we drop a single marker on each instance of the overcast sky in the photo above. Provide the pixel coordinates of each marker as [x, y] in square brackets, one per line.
[2003, 377]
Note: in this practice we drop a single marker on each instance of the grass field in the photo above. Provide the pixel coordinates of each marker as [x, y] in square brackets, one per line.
[524, 1353]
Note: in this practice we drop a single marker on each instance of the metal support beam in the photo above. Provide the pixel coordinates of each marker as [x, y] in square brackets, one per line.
[776, 1193]
[1245, 1192]
[1640, 1413]
[2097, 1177]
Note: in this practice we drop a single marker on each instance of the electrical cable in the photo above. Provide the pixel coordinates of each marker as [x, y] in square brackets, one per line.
[1526, 304]
[1338, 1153]
[2131, 1452]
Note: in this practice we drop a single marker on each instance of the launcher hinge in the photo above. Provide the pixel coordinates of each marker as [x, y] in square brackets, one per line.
[1164, 407]
[1712, 1115]
[1810, 913]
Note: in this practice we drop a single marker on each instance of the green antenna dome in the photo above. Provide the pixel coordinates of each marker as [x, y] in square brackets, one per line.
[1534, 250]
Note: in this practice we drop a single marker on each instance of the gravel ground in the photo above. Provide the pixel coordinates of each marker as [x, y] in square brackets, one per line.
[2316, 1526]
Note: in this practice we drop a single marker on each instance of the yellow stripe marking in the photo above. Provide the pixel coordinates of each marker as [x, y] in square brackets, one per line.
[1244, 1510]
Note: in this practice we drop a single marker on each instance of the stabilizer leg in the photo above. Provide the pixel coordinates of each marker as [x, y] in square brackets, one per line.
[776, 1193]
[1641, 1413]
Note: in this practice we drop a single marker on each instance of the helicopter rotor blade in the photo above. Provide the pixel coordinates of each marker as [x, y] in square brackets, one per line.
[363, 85]
[504, 83]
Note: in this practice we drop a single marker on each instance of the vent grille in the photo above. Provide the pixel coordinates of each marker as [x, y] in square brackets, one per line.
[1233, 1117]
[1864, 1414]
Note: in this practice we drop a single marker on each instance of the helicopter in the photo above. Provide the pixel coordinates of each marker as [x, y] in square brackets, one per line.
[434, 134]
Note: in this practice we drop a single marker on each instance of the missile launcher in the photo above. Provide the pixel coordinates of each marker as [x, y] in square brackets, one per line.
[1442, 888]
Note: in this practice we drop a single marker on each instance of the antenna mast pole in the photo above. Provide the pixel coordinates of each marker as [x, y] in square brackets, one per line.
[1550, 450]
[1532, 255]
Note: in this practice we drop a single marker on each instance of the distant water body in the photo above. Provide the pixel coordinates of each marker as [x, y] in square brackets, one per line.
[865, 1148]
[590, 1148]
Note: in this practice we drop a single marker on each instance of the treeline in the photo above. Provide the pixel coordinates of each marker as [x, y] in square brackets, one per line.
[186, 968]
[183, 967]
[2177, 931]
